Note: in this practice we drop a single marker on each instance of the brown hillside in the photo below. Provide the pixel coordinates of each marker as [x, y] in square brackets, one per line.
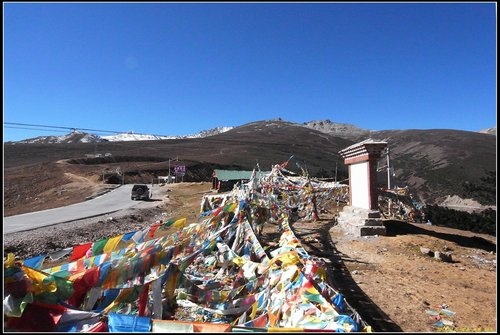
[434, 163]
[439, 162]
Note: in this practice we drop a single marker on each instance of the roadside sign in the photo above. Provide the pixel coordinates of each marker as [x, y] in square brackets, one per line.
[180, 170]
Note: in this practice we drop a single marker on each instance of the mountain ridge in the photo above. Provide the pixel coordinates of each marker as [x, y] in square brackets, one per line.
[436, 164]
[344, 130]
[84, 137]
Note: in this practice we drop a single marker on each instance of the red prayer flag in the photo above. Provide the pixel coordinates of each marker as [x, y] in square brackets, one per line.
[79, 251]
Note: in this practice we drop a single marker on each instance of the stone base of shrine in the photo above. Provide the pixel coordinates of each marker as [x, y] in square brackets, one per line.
[361, 222]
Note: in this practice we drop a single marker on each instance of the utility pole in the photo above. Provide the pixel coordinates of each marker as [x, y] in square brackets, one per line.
[335, 171]
[388, 171]
[389, 179]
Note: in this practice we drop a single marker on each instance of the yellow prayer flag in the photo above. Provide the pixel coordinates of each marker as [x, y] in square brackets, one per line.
[10, 261]
[179, 223]
[112, 243]
[238, 260]
[41, 282]
[232, 207]
[254, 310]
[54, 269]
[289, 258]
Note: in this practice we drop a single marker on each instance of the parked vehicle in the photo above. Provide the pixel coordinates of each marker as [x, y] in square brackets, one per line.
[140, 192]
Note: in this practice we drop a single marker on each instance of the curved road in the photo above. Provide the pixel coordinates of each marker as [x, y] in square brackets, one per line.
[110, 202]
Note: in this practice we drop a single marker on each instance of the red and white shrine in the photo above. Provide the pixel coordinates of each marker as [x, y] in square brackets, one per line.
[362, 216]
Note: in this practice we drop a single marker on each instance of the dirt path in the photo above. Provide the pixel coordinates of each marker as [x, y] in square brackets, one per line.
[395, 287]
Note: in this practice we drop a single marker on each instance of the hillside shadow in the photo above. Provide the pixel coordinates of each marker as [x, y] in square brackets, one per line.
[395, 227]
[340, 278]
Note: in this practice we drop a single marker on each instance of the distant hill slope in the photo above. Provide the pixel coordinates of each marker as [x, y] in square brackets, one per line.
[433, 163]
[440, 162]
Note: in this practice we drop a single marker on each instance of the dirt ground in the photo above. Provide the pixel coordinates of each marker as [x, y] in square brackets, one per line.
[386, 279]
[394, 286]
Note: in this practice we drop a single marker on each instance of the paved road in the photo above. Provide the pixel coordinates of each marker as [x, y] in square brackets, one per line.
[110, 202]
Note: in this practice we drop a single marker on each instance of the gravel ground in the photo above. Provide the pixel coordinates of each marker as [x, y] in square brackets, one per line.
[64, 235]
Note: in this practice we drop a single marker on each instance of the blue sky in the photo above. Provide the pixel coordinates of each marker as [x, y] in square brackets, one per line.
[180, 68]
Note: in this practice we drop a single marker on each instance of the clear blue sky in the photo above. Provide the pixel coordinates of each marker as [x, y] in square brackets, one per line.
[180, 68]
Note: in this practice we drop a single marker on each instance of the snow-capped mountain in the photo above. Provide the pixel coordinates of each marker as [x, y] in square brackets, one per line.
[343, 130]
[143, 137]
[73, 137]
[135, 137]
[491, 131]
[210, 132]
[78, 136]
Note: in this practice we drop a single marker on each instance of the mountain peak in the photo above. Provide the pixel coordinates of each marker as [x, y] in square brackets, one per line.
[491, 131]
[344, 130]
[74, 136]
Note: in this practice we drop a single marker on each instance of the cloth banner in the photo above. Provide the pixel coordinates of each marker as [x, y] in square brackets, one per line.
[123, 323]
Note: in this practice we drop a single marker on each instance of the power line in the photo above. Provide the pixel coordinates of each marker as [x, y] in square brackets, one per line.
[61, 127]
[14, 127]
[94, 131]
[205, 139]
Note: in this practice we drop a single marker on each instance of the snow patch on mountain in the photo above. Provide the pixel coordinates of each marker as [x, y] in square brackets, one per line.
[130, 136]
[210, 132]
[81, 137]
[491, 131]
[73, 137]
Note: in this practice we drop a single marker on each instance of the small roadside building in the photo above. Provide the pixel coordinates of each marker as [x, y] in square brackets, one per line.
[166, 179]
[224, 180]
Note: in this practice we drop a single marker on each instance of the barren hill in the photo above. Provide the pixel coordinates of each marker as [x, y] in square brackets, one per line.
[388, 280]
[434, 163]
[441, 162]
